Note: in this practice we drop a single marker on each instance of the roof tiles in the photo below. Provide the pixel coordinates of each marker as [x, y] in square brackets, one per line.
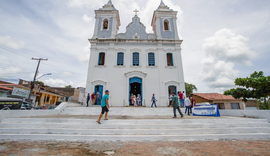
[214, 96]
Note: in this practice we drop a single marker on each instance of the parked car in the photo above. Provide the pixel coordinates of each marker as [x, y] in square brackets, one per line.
[53, 107]
[26, 106]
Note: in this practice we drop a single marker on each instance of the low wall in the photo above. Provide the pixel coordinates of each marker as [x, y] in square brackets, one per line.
[260, 114]
[27, 113]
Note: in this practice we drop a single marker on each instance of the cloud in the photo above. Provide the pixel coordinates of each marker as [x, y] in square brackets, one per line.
[10, 72]
[66, 74]
[222, 51]
[7, 41]
[86, 18]
[57, 83]
[230, 47]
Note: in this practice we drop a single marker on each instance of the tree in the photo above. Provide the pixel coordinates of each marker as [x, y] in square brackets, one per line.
[69, 86]
[39, 82]
[190, 88]
[256, 86]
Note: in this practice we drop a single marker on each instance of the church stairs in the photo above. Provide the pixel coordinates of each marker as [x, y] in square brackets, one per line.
[134, 129]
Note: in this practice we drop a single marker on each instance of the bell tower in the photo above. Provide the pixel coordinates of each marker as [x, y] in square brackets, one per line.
[164, 23]
[107, 22]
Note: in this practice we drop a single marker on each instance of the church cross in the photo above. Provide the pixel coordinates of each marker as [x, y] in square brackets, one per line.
[136, 11]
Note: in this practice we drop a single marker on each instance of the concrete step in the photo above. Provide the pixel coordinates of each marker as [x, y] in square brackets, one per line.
[241, 130]
[134, 122]
[67, 137]
[108, 125]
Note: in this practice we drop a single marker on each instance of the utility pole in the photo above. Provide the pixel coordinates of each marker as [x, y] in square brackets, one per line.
[33, 83]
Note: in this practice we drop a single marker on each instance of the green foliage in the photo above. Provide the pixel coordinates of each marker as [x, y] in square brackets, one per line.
[256, 86]
[190, 88]
[39, 82]
[69, 86]
[262, 105]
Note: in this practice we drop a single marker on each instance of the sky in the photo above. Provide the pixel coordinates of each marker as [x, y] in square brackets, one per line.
[222, 39]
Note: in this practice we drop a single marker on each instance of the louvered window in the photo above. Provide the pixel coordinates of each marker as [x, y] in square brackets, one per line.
[151, 59]
[136, 59]
[120, 59]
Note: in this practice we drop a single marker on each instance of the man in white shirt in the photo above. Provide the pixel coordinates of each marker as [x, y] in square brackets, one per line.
[187, 104]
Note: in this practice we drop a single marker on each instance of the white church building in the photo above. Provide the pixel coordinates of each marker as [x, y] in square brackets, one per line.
[135, 62]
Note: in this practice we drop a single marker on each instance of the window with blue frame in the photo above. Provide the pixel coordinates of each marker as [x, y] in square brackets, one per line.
[120, 59]
[136, 59]
[151, 59]
[101, 59]
[169, 59]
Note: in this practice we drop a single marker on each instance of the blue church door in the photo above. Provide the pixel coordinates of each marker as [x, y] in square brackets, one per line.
[135, 88]
[99, 88]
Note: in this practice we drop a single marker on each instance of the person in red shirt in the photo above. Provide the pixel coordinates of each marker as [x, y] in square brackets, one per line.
[93, 98]
[193, 102]
[181, 98]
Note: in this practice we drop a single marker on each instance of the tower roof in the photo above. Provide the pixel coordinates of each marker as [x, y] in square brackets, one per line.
[108, 6]
[163, 7]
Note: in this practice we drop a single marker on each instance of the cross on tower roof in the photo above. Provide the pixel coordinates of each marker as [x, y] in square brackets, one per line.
[136, 11]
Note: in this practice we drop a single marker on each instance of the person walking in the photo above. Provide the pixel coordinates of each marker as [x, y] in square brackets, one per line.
[93, 98]
[187, 104]
[181, 98]
[104, 106]
[153, 100]
[88, 98]
[98, 98]
[139, 100]
[175, 104]
[170, 100]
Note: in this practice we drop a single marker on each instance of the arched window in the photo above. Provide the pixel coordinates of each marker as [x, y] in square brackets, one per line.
[101, 59]
[136, 59]
[105, 24]
[169, 59]
[151, 59]
[120, 59]
[166, 25]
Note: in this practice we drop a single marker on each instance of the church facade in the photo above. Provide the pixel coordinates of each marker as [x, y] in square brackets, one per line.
[135, 62]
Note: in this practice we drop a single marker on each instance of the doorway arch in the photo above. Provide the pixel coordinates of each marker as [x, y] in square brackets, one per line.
[135, 87]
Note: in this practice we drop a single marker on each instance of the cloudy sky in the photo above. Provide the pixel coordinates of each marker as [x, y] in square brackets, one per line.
[223, 39]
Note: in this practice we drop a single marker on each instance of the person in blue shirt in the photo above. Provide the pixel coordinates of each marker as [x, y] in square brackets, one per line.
[88, 98]
[104, 106]
[153, 100]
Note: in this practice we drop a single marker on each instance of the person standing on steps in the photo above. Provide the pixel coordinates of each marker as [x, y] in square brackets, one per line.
[175, 104]
[139, 100]
[93, 98]
[98, 97]
[181, 98]
[170, 100]
[193, 102]
[104, 106]
[153, 100]
[88, 98]
[187, 104]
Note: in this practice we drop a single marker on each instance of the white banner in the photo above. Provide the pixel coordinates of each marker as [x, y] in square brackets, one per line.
[210, 110]
[20, 92]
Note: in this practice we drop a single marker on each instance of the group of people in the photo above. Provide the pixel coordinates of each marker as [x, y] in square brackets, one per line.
[95, 99]
[136, 101]
[175, 101]
[181, 100]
